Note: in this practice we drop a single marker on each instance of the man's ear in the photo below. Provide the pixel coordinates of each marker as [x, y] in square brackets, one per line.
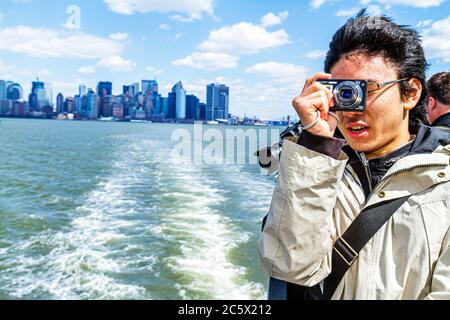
[431, 103]
[411, 99]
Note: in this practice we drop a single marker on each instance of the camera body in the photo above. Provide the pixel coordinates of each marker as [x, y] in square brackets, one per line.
[349, 95]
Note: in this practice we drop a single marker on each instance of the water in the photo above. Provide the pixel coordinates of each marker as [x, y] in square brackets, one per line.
[94, 210]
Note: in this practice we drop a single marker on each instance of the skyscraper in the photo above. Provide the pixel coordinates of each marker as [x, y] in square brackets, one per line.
[217, 101]
[92, 104]
[172, 105]
[59, 103]
[104, 89]
[14, 92]
[149, 86]
[191, 107]
[128, 90]
[2, 89]
[39, 99]
[165, 106]
[180, 98]
[135, 88]
[82, 90]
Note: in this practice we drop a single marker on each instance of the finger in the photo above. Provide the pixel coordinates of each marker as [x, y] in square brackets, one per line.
[315, 87]
[319, 102]
[317, 76]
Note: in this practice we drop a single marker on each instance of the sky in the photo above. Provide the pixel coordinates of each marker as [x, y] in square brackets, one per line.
[263, 50]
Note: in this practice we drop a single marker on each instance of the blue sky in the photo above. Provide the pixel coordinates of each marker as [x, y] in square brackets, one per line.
[263, 50]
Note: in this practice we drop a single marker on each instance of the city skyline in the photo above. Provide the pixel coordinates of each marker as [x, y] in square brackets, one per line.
[137, 101]
[262, 51]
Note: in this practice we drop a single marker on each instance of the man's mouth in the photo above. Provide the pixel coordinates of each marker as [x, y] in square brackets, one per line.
[358, 129]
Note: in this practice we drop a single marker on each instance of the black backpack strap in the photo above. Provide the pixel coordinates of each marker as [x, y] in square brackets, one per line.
[347, 248]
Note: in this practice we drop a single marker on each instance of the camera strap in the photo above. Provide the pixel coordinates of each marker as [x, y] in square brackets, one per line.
[345, 252]
[347, 248]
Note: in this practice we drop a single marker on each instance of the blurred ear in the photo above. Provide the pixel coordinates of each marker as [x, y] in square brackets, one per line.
[411, 98]
[431, 103]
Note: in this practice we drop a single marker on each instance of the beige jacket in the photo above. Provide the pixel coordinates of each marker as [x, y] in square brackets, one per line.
[317, 198]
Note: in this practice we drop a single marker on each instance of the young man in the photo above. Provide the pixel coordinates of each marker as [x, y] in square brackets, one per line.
[389, 160]
[438, 108]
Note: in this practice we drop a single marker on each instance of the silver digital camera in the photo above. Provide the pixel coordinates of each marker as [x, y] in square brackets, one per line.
[349, 95]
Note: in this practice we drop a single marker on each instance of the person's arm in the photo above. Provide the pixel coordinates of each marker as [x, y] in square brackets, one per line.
[296, 243]
[440, 281]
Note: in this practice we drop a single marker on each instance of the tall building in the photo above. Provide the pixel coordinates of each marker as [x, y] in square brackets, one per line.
[217, 101]
[191, 107]
[14, 92]
[201, 111]
[2, 89]
[82, 90]
[128, 90]
[107, 104]
[149, 86]
[104, 89]
[79, 104]
[5, 107]
[165, 106]
[157, 105]
[135, 88]
[59, 103]
[39, 100]
[92, 101]
[172, 105]
[69, 105]
[180, 100]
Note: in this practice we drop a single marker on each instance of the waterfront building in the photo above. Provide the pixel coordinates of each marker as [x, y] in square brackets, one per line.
[217, 102]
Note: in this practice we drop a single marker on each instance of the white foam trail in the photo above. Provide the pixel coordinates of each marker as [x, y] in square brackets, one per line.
[206, 239]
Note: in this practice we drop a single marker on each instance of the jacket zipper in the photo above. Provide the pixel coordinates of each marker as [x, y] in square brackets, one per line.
[366, 165]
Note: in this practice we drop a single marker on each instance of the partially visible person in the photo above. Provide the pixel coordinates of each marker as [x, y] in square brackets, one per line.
[438, 109]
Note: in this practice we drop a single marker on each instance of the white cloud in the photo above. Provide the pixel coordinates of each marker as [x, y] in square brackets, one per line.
[118, 36]
[424, 23]
[164, 27]
[210, 61]
[191, 10]
[86, 70]
[272, 19]
[51, 44]
[116, 63]
[348, 12]
[281, 72]
[317, 3]
[409, 3]
[244, 38]
[113, 63]
[436, 40]
[154, 70]
[316, 54]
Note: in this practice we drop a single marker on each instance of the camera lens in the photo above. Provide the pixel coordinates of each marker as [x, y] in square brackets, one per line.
[346, 94]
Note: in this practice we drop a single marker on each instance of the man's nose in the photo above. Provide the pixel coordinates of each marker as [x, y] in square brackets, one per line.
[352, 115]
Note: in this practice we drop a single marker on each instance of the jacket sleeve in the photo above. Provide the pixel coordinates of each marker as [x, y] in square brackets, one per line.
[296, 242]
[440, 282]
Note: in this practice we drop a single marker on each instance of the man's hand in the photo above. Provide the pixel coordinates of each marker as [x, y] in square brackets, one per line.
[316, 97]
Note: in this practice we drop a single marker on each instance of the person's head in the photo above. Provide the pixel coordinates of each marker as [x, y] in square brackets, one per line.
[379, 50]
[438, 96]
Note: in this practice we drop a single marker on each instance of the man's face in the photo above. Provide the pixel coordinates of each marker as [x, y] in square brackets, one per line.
[384, 123]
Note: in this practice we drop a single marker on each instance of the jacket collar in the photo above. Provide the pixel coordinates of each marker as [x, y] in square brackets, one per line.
[428, 141]
[443, 120]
